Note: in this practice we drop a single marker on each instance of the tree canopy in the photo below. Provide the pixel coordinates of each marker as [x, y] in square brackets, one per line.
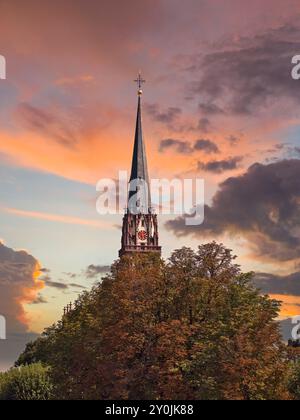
[191, 327]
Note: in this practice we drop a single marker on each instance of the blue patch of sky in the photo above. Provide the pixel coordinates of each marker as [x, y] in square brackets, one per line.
[58, 246]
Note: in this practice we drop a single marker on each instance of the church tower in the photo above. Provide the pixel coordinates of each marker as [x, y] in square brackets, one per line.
[140, 226]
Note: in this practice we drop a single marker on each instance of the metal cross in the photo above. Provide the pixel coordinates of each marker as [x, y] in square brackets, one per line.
[140, 81]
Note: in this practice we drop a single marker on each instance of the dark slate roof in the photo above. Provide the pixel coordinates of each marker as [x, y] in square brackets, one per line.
[139, 168]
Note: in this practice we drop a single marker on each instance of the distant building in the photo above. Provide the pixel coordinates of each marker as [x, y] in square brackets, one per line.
[140, 226]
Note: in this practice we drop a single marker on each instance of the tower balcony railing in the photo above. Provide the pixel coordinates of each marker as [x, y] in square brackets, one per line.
[140, 248]
[150, 210]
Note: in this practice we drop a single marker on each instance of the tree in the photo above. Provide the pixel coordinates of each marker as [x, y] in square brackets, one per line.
[192, 327]
[26, 383]
[294, 381]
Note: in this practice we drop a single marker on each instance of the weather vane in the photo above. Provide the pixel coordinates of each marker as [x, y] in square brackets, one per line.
[140, 82]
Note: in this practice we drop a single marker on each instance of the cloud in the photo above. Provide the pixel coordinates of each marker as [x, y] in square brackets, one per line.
[279, 285]
[286, 289]
[45, 270]
[71, 275]
[47, 68]
[60, 285]
[210, 108]
[39, 300]
[185, 147]
[55, 284]
[95, 28]
[166, 117]
[233, 140]
[206, 145]
[262, 205]
[19, 285]
[69, 81]
[249, 74]
[12, 347]
[77, 286]
[56, 218]
[93, 271]
[204, 125]
[181, 147]
[220, 166]
[290, 305]
[47, 124]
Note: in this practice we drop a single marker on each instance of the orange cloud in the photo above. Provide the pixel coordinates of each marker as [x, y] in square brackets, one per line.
[19, 284]
[29, 294]
[65, 81]
[57, 218]
[290, 305]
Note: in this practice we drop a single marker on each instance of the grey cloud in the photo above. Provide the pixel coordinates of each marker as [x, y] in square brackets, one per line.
[297, 150]
[181, 146]
[71, 275]
[278, 285]
[167, 117]
[248, 76]
[77, 286]
[45, 270]
[17, 275]
[39, 300]
[60, 285]
[272, 284]
[210, 108]
[93, 271]
[233, 140]
[55, 284]
[220, 166]
[262, 205]
[284, 150]
[186, 147]
[206, 145]
[204, 125]
[12, 347]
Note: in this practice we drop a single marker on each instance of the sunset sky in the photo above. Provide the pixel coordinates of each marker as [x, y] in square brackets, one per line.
[219, 104]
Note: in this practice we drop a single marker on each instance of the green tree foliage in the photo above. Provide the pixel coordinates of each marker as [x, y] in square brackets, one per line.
[192, 327]
[31, 382]
[294, 380]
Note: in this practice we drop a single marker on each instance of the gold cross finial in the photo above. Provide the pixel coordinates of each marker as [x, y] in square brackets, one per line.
[140, 82]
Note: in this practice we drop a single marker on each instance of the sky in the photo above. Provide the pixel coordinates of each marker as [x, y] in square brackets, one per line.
[219, 104]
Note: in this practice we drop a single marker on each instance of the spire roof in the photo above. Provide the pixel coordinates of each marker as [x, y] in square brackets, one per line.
[139, 169]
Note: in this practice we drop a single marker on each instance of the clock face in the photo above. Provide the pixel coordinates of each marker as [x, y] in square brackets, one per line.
[142, 235]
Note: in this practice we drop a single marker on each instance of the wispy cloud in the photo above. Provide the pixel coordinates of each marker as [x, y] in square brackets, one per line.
[69, 81]
[47, 123]
[220, 166]
[93, 271]
[185, 147]
[57, 218]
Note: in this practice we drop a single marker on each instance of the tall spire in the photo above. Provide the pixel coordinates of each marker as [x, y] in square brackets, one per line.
[139, 169]
[140, 227]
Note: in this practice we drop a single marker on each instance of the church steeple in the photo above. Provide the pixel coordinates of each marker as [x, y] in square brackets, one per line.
[140, 227]
[139, 169]
[139, 161]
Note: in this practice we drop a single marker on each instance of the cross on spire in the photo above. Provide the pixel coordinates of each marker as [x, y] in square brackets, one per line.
[140, 81]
